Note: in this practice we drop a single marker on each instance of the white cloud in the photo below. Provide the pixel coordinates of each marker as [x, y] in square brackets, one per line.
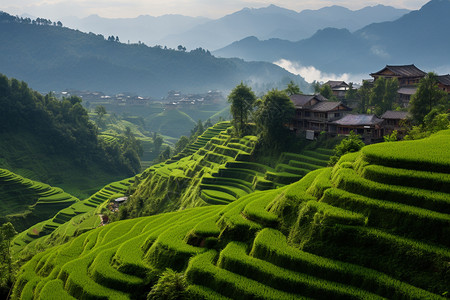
[310, 73]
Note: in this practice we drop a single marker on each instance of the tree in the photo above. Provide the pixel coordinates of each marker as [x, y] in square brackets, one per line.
[181, 144]
[364, 96]
[100, 110]
[326, 91]
[316, 86]
[7, 232]
[427, 97]
[242, 100]
[274, 111]
[383, 94]
[352, 94]
[292, 89]
[157, 142]
[352, 143]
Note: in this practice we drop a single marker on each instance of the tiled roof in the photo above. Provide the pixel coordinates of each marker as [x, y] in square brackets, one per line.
[390, 114]
[327, 106]
[444, 79]
[358, 120]
[333, 83]
[301, 100]
[405, 70]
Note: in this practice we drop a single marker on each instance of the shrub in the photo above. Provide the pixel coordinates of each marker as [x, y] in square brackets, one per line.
[170, 286]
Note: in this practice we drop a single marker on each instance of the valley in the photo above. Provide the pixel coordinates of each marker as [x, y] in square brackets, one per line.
[143, 158]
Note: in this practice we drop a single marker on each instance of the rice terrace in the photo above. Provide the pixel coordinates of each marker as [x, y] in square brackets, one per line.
[204, 155]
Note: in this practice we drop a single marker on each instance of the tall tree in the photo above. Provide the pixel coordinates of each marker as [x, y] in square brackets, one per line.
[292, 89]
[364, 96]
[427, 97]
[274, 111]
[242, 100]
[326, 91]
[100, 110]
[383, 94]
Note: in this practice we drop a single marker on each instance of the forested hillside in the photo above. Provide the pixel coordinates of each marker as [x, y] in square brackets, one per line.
[58, 58]
[53, 141]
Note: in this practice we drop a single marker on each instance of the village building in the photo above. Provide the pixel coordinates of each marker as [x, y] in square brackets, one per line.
[314, 113]
[369, 127]
[339, 88]
[408, 77]
[395, 120]
[444, 83]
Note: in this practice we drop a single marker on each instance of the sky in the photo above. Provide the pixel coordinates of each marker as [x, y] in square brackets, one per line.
[54, 9]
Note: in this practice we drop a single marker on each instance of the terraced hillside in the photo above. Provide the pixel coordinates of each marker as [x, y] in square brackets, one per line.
[375, 226]
[71, 221]
[25, 202]
[216, 169]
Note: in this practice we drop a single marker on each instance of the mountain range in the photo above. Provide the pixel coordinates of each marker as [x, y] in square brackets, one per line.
[268, 22]
[57, 58]
[419, 37]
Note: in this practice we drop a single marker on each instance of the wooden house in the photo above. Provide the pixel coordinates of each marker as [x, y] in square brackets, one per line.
[339, 88]
[315, 112]
[407, 75]
[394, 120]
[444, 82]
[369, 127]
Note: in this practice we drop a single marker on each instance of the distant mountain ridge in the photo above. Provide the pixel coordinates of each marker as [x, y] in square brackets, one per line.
[265, 23]
[277, 22]
[143, 28]
[56, 58]
[419, 37]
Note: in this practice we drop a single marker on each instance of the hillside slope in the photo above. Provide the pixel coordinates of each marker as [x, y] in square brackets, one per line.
[374, 226]
[57, 58]
[43, 137]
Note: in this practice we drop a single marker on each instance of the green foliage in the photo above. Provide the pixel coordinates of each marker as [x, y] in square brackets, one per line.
[364, 94]
[391, 137]
[427, 97]
[327, 92]
[352, 143]
[170, 286]
[242, 100]
[7, 232]
[274, 111]
[181, 144]
[100, 110]
[292, 89]
[383, 94]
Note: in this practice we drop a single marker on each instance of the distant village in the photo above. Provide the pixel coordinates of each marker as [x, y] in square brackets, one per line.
[315, 113]
[173, 100]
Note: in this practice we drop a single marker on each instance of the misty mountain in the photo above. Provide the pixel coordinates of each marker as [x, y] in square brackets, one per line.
[277, 22]
[419, 37]
[57, 58]
[145, 28]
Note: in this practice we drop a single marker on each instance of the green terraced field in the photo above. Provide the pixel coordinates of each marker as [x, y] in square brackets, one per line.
[25, 202]
[70, 221]
[338, 233]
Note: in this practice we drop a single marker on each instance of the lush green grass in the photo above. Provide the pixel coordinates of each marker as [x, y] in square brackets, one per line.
[424, 155]
[25, 202]
[336, 233]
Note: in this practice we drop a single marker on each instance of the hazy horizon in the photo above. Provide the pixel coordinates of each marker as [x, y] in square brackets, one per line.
[54, 9]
